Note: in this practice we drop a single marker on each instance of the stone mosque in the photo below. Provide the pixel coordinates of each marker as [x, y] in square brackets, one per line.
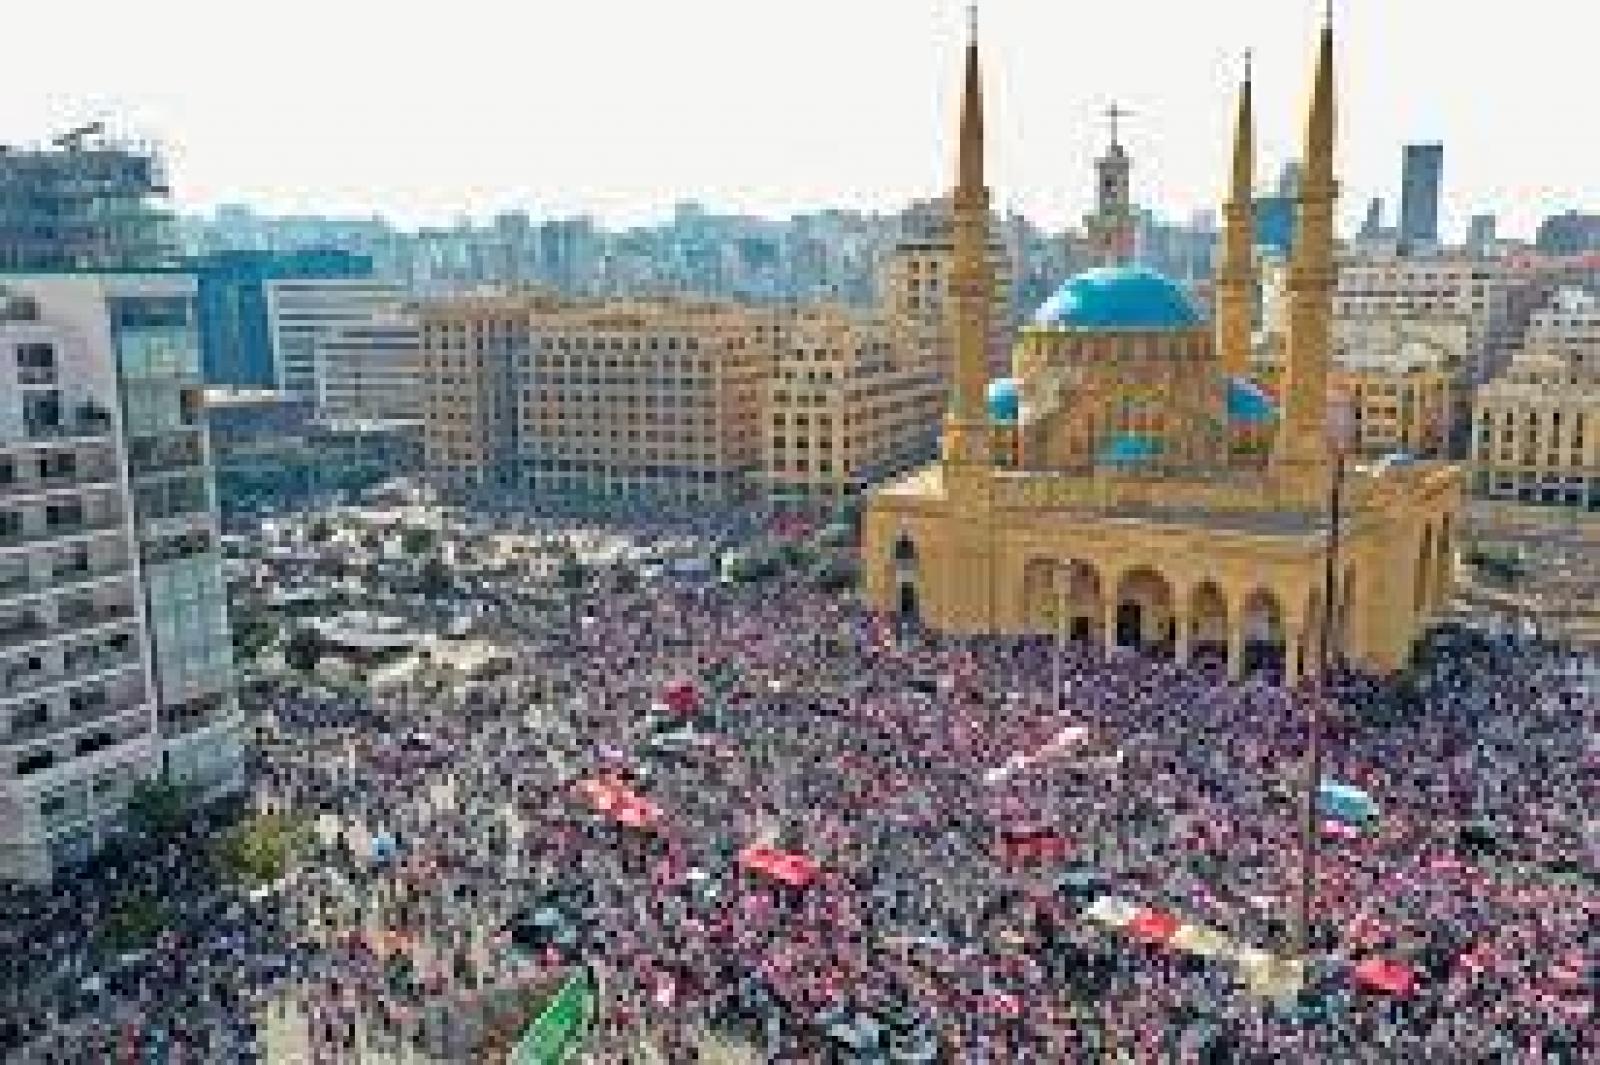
[1130, 486]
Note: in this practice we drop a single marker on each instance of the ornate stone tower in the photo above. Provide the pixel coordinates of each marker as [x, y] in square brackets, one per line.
[1236, 279]
[966, 429]
[1110, 228]
[1302, 453]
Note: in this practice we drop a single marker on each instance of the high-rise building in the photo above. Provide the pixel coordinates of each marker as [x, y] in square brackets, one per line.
[917, 274]
[115, 651]
[1421, 174]
[85, 201]
[637, 399]
[302, 310]
[236, 344]
[844, 408]
[1481, 234]
[1372, 225]
[1572, 233]
[370, 370]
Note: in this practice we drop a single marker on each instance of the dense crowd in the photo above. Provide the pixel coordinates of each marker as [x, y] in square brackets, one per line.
[871, 748]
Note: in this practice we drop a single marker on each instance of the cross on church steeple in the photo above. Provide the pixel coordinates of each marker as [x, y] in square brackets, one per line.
[1114, 112]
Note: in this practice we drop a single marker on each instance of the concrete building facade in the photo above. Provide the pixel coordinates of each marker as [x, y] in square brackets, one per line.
[845, 408]
[370, 369]
[303, 310]
[1536, 428]
[627, 399]
[115, 650]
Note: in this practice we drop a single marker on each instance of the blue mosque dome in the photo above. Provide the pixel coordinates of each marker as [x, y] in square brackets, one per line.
[1118, 297]
[1130, 447]
[1003, 401]
[1248, 403]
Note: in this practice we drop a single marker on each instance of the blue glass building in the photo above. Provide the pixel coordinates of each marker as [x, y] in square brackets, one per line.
[231, 304]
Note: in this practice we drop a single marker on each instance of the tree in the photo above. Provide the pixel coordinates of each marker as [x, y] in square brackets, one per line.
[304, 650]
[320, 532]
[416, 542]
[435, 577]
[159, 808]
[261, 849]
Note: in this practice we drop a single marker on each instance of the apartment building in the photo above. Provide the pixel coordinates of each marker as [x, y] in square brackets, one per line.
[370, 369]
[115, 652]
[845, 407]
[1491, 298]
[916, 280]
[301, 311]
[1536, 428]
[636, 398]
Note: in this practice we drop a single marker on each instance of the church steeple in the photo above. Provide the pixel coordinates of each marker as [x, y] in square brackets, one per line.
[1110, 228]
[966, 437]
[1302, 447]
[1236, 279]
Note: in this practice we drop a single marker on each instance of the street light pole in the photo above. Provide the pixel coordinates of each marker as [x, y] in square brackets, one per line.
[1315, 706]
[1061, 638]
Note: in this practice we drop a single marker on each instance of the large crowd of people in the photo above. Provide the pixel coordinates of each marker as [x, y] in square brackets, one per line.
[876, 750]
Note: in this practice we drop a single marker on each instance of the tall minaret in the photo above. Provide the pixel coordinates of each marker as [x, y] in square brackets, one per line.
[966, 431]
[1302, 449]
[1236, 279]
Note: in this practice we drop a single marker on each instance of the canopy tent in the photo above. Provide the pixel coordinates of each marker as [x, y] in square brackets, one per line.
[681, 696]
[1385, 975]
[1152, 926]
[1113, 911]
[1346, 802]
[1025, 842]
[620, 803]
[787, 867]
[1202, 940]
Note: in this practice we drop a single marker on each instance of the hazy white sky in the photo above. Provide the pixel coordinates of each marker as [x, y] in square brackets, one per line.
[427, 110]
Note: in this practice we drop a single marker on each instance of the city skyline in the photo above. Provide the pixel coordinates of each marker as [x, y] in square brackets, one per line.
[853, 107]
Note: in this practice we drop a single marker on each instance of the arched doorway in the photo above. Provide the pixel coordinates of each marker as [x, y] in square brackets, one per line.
[1145, 617]
[1208, 623]
[1261, 621]
[1420, 600]
[1085, 601]
[905, 577]
[906, 601]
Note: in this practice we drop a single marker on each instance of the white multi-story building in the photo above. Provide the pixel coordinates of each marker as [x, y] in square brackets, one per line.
[1565, 332]
[371, 369]
[301, 311]
[1536, 427]
[115, 653]
[1491, 298]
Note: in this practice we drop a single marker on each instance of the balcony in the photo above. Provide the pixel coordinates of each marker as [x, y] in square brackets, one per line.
[68, 724]
[85, 422]
[60, 530]
[98, 668]
[95, 473]
[60, 579]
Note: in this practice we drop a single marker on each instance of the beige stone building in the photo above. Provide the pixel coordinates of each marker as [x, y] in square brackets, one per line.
[846, 407]
[1159, 499]
[1394, 383]
[641, 398]
[916, 285]
[1536, 428]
